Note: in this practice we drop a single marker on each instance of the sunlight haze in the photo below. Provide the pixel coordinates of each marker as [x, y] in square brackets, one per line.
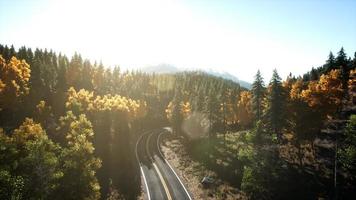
[177, 99]
[218, 35]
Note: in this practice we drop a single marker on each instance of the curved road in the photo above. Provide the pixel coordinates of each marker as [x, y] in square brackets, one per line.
[160, 180]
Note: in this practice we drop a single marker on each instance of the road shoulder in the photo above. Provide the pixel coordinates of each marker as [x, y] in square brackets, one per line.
[191, 173]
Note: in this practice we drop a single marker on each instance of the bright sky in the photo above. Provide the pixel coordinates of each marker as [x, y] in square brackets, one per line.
[238, 37]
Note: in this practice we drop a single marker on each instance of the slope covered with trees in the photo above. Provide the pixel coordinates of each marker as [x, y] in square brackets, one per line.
[68, 126]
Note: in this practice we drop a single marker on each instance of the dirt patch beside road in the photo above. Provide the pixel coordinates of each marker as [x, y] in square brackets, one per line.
[192, 172]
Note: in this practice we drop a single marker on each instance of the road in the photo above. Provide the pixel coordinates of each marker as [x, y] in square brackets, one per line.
[160, 179]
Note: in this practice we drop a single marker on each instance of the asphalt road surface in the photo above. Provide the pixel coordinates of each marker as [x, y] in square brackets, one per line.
[160, 180]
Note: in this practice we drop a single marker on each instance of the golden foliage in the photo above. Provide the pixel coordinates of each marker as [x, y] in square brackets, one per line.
[169, 111]
[296, 89]
[43, 113]
[2, 86]
[81, 100]
[185, 110]
[352, 80]
[80, 131]
[85, 101]
[41, 105]
[29, 130]
[245, 114]
[326, 92]
[14, 78]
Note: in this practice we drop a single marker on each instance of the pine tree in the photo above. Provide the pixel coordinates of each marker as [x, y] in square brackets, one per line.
[74, 72]
[61, 86]
[342, 63]
[177, 117]
[87, 75]
[330, 62]
[341, 58]
[275, 115]
[314, 75]
[258, 95]
[212, 108]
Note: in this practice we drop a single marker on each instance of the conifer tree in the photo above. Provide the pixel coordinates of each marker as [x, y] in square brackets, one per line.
[330, 62]
[342, 64]
[275, 115]
[258, 95]
[177, 117]
[314, 74]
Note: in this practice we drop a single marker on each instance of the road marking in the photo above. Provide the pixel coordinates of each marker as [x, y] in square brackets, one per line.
[138, 160]
[163, 182]
[159, 149]
[157, 170]
[144, 179]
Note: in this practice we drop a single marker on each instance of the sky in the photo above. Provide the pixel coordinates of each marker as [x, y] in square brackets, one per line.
[238, 37]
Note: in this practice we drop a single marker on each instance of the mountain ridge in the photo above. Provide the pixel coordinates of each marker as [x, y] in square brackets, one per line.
[171, 69]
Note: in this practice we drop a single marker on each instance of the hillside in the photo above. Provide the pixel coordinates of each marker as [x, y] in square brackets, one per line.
[171, 69]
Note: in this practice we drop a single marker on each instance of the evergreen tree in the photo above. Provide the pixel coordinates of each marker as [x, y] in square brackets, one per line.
[102, 123]
[177, 117]
[314, 74]
[74, 72]
[341, 59]
[61, 86]
[343, 64]
[258, 95]
[212, 108]
[330, 62]
[276, 98]
[86, 76]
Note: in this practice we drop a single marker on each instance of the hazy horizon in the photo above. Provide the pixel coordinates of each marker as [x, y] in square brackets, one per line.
[226, 36]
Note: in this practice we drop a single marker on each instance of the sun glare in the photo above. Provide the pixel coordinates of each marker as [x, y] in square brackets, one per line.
[135, 34]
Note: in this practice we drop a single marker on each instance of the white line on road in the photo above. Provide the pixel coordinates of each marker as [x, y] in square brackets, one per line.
[157, 170]
[143, 174]
[144, 179]
[186, 191]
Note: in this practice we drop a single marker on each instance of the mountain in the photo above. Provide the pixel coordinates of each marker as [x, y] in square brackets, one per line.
[229, 76]
[161, 69]
[171, 69]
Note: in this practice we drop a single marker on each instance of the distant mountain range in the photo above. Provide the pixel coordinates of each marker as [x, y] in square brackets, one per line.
[170, 69]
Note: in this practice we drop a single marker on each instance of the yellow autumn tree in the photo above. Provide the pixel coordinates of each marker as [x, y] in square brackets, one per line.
[43, 113]
[29, 130]
[326, 93]
[14, 78]
[296, 90]
[245, 114]
[169, 111]
[85, 101]
[185, 110]
[79, 101]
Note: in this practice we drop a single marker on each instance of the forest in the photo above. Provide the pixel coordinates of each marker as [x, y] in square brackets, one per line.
[68, 127]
